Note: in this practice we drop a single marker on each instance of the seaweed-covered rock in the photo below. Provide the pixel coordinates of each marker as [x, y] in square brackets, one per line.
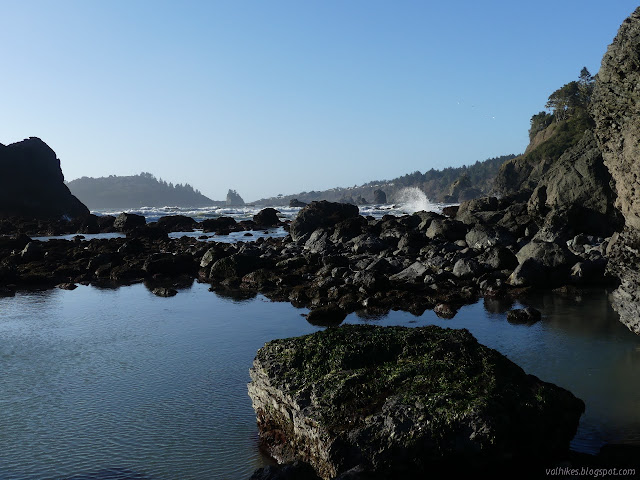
[402, 402]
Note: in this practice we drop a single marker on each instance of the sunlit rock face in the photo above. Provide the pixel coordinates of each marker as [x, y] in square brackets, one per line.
[615, 108]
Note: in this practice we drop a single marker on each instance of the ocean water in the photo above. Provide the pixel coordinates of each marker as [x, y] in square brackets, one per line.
[121, 384]
[118, 384]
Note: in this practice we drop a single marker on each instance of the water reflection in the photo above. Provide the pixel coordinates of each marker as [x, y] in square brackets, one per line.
[98, 377]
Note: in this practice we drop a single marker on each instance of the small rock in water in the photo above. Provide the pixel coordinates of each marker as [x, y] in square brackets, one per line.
[67, 286]
[523, 315]
[248, 234]
[444, 310]
[164, 292]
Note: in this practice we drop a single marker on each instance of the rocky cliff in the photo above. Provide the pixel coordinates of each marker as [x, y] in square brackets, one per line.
[32, 184]
[615, 108]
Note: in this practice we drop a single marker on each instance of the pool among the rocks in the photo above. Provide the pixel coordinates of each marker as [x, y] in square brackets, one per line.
[120, 383]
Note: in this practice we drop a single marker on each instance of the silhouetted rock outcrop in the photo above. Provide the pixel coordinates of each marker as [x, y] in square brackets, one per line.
[233, 199]
[32, 184]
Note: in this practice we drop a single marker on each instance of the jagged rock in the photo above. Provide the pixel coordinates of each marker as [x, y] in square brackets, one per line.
[32, 184]
[379, 197]
[233, 199]
[320, 215]
[296, 203]
[412, 274]
[579, 182]
[549, 254]
[404, 403]
[616, 112]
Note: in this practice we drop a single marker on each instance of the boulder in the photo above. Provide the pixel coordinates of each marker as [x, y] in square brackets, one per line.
[218, 224]
[126, 222]
[294, 202]
[404, 403]
[446, 229]
[320, 214]
[32, 184]
[549, 254]
[267, 217]
[177, 223]
[528, 315]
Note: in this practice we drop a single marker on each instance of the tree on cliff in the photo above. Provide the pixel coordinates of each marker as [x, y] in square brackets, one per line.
[572, 98]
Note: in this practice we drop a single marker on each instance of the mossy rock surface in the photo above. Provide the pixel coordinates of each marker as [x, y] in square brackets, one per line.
[400, 400]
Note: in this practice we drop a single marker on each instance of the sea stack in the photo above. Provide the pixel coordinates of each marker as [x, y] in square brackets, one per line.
[32, 185]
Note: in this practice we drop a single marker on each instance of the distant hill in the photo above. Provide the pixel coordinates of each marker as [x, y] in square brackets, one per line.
[143, 190]
[447, 185]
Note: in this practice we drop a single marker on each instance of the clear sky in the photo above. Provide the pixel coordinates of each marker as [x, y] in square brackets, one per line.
[270, 97]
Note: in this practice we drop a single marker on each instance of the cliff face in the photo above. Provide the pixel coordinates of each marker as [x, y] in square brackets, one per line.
[615, 108]
[32, 184]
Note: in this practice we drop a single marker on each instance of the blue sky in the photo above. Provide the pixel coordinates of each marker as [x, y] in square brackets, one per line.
[270, 97]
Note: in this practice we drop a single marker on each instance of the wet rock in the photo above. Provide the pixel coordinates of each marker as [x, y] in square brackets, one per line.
[482, 237]
[445, 310]
[412, 274]
[164, 292]
[403, 402]
[528, 315]
[329, 315]
[290, 471]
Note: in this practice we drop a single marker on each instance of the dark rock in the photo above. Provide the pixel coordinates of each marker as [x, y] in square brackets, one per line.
[330, 315]
[290, 471]
[267, 217]
[445, 310]
[125, 222]
[296, 203]
[466, 267]
[169, 264]
[379, 197]
[498, 258]
[548, 254]
[177, 223]
[320, 214]
[447, 229]
[236, 265]
[233, 199]
[482, 237]
[450, 211]
[218, 224]
[404, 402]
[164, 292]
[32, 184]
[526, 315]
[529, 273]
[67, 286]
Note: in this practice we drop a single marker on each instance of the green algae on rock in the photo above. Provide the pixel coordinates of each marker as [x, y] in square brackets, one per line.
[403, 401]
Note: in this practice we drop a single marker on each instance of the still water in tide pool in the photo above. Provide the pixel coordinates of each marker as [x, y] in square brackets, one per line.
[121, 384]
